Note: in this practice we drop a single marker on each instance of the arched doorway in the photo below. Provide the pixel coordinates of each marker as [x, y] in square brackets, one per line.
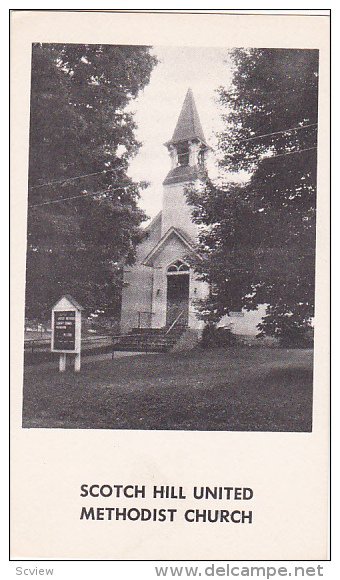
[177, 298]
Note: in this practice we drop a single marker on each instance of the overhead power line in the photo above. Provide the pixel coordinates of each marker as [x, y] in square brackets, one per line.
[289, 153]
[56, 182]
[278, 132]
[278, 155]
[77, 196]
[124, 188]
[115, 169]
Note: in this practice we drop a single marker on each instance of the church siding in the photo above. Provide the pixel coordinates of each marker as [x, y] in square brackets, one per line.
[244, 323]
[136, 297]
[198, 290]
[176, 211]
[159, 297]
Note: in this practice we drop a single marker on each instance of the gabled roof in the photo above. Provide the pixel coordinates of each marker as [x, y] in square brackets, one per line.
[154, 221]
[72, 300]
[183, 237]
[188, 125]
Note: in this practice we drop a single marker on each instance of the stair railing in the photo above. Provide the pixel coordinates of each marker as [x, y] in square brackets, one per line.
[174, 322]
[140, 318]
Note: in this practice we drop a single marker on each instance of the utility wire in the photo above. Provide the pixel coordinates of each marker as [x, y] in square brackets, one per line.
[278, 155]
[278, 132]
[76, 197]
[113, 170]
[125, 188]
[76, 177]
[289, 153]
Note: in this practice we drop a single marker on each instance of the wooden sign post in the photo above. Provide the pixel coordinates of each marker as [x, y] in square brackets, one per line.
[66, 330]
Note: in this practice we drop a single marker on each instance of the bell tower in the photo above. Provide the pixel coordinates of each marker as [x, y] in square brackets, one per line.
[188, 152]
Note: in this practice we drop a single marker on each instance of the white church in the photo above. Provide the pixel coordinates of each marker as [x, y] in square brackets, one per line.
[161, 289]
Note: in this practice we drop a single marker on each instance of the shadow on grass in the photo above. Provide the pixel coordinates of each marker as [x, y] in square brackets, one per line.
[220, 390]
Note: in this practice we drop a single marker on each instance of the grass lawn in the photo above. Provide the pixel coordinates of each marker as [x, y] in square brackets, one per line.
[235, 389]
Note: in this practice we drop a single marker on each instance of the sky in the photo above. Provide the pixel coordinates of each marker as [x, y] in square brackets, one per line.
[159, 105]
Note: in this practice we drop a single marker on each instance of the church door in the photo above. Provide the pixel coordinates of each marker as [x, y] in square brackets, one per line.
[177, 294]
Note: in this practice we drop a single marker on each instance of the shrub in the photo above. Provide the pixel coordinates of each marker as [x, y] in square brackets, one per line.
[213, 337]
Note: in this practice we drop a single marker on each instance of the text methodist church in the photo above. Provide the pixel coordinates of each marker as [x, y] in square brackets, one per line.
[161, 289]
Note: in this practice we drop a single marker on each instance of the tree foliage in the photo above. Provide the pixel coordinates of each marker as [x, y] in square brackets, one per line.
[258, 237]
[79, 125]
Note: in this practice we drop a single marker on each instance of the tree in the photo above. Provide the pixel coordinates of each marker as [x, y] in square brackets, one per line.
[81, 230]
[258, 237]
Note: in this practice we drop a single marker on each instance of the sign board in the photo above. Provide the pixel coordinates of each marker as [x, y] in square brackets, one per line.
[66, 329]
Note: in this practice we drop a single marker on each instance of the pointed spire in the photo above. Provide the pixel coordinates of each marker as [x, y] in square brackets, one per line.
[188, 125]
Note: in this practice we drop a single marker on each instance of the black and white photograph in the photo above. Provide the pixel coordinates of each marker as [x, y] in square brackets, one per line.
[170, 289]
[170, 267]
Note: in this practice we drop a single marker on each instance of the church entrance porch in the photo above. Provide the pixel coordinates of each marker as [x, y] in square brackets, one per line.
[177, 297]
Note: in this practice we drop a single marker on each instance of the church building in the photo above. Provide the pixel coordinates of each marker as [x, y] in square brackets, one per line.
[161, 289]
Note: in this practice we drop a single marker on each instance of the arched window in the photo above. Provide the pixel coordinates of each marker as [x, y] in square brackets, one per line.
[183, 268]
[172, 268]
[178, 267]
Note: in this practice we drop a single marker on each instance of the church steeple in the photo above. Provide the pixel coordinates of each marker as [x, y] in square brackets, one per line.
[187, 147]
[188, 125]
